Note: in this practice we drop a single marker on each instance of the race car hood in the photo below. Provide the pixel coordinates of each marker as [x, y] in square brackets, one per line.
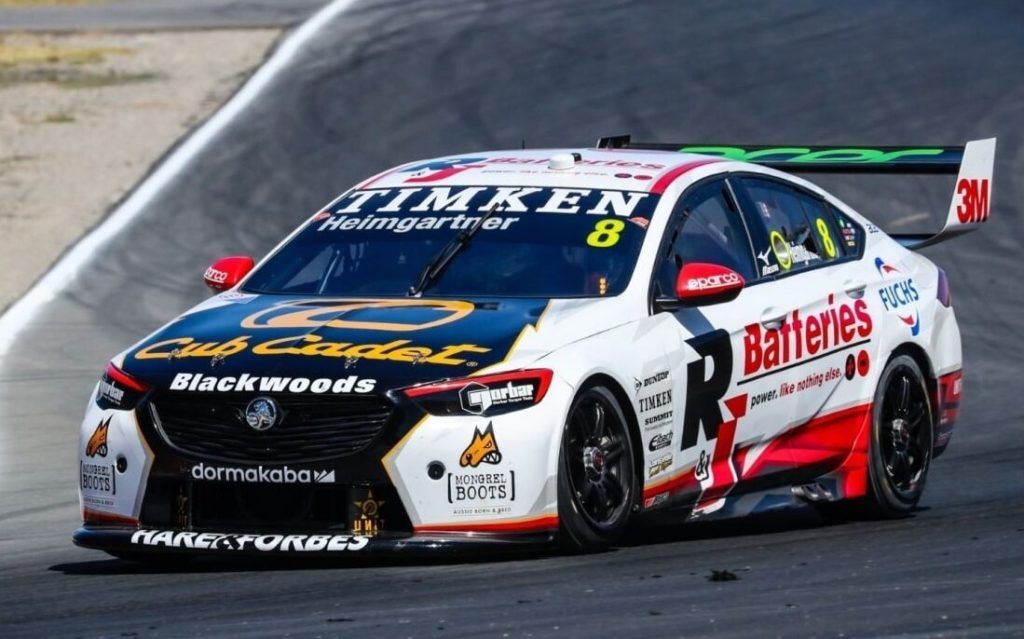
[269, 343]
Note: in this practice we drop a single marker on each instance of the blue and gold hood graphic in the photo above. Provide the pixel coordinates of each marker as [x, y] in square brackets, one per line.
[394, 341]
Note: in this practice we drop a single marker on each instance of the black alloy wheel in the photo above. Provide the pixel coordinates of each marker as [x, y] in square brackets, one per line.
[597, 484]
[901, 439]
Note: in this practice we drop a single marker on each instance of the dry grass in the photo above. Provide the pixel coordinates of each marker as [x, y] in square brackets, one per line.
[41, 59]
[73, 78]
[60, 117]
[27, 52]
[99, 80]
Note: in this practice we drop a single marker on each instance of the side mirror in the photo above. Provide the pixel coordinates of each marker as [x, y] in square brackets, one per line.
[227, 271]
[700, 283]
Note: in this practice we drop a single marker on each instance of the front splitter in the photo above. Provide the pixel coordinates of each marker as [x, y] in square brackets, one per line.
[129, 540]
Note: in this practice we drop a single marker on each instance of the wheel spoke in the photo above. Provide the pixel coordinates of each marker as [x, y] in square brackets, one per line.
[901, 473]
[914, 424]
[598, 420]
[579, 423]
[612, 452]
[615, 490]
[602, 499]
[891, 460]
[588, 491]
[578, 475]
[903, 403]
[890, 398]
[914, 448]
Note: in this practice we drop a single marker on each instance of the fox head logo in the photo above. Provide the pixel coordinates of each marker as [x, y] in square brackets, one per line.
[98, 441]
[483, 449]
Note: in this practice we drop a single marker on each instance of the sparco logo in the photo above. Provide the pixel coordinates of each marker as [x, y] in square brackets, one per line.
[712, 281]
[216, 275]
[262, 474]
[477, 398]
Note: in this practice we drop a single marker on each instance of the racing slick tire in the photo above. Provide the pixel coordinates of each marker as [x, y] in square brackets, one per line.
[902, 440]
[597, 481]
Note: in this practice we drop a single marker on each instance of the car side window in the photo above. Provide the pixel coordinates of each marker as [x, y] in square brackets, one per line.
[827, 237]
[787, 240]
[711, 231]
[850, 233]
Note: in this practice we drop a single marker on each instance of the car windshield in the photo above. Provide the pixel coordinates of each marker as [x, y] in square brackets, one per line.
[539, 242]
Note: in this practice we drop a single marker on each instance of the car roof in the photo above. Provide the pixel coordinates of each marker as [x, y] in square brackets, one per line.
[617, 169]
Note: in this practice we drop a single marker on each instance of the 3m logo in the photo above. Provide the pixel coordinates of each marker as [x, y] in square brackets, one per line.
[973, 205]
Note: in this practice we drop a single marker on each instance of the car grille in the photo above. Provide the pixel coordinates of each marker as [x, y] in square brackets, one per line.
[311, 428]
[259, 508]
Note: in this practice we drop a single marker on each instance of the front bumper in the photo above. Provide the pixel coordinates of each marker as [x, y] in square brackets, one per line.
[126, 539]
[411, 486]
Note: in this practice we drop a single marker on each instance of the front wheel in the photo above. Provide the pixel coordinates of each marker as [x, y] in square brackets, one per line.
[902, 432]
[597, 484]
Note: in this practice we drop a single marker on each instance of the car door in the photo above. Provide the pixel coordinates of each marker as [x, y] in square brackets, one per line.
[810, 335]
[707, 227]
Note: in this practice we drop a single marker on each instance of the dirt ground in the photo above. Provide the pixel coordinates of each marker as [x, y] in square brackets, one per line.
[84, 116]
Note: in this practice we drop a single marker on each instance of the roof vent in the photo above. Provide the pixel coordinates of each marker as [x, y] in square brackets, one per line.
[563, 161]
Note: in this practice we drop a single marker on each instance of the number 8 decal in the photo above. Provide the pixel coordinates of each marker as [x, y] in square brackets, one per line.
[826, 238]
[605, 233]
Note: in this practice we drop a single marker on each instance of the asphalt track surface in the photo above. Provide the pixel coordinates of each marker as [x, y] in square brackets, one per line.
[157, 14]
[385, 83]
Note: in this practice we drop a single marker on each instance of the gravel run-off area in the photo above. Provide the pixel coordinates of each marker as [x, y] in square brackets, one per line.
[83, 117]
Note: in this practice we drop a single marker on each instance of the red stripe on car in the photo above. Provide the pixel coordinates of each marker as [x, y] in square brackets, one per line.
[672, 175]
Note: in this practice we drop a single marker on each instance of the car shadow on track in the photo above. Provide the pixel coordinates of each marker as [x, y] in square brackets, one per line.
[650, 533]
[664, 531]
[212, 564]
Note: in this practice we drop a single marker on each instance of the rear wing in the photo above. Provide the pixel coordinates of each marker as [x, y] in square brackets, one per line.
[972, 164]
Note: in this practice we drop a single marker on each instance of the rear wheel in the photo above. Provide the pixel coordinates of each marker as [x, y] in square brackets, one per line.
[902, 431]
[597, 485]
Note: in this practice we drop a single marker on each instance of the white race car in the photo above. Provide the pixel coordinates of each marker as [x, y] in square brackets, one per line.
[520, 347]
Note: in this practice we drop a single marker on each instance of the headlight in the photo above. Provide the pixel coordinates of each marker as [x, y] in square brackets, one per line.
[119, 390]
[485, 395]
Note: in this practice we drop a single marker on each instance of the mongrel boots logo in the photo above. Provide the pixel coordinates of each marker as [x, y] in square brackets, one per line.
[835, 328]
[261, 474]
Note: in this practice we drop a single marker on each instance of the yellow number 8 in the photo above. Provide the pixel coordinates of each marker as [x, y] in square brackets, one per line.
[826, 239]
[605, 233]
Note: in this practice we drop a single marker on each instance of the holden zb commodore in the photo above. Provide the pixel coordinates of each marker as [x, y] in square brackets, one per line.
[512, 348]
